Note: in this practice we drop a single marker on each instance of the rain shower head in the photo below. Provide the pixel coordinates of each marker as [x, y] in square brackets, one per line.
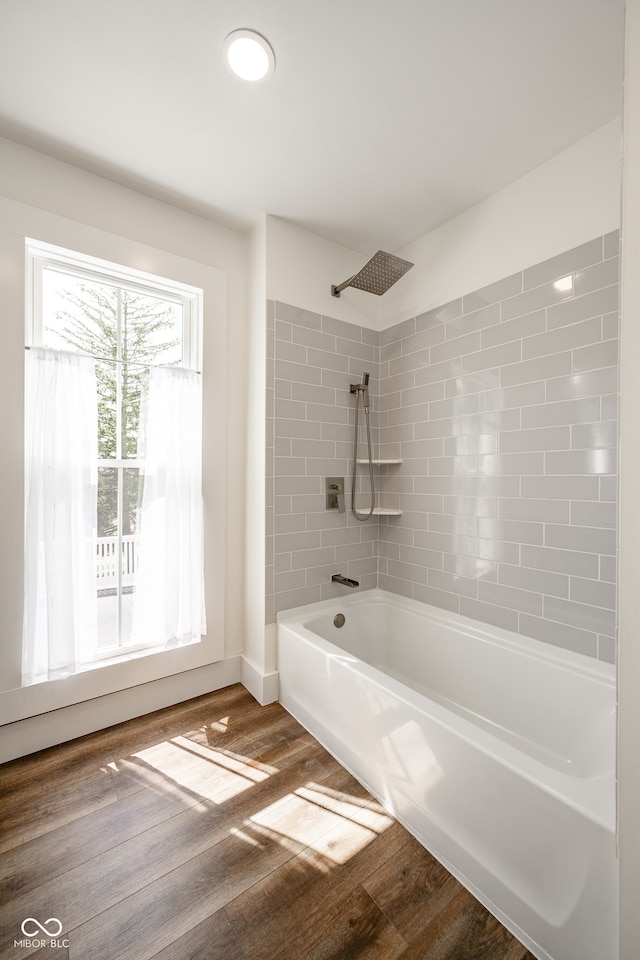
[380, 273]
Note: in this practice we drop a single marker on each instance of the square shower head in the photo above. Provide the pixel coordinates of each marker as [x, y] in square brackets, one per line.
[377, 275]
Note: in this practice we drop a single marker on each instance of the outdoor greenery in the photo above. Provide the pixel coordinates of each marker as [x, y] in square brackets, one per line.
[95, 317]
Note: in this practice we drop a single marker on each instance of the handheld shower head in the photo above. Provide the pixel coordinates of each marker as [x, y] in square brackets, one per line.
[365, 391]
[377, 275]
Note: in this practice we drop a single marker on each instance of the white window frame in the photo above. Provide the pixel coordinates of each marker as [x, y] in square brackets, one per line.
[41, 255]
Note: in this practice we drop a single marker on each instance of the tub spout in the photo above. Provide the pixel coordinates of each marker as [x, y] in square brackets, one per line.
[345, 581]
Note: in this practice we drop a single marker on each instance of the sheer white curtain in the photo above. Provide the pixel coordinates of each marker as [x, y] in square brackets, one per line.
[168, 603]
[61, 513]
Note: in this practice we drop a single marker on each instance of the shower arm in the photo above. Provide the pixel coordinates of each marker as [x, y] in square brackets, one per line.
[337, 290]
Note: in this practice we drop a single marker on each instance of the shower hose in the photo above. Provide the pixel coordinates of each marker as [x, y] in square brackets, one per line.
[361, 516]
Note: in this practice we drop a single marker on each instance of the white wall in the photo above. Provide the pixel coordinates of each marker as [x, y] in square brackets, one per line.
[259, 659]
[301, 268]
[629, 555]
[59, 204]
[567, 201]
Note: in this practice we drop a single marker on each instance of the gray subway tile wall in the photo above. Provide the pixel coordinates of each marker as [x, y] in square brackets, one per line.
[502, 405]
[312, 360]
[525, 535]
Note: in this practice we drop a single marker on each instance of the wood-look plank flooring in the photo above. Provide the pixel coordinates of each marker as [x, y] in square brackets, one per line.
[220, 830]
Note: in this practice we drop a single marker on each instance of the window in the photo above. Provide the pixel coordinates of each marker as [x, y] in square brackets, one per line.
[113, 463]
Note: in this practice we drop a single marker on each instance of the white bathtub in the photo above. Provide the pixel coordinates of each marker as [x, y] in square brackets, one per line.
[496, 751]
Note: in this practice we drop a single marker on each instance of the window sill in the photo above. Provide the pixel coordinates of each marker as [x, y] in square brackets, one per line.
[118, 675]
[127, 656]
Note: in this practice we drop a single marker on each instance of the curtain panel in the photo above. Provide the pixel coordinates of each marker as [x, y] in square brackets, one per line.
[168, 605]
[61, 614]
[60, 516]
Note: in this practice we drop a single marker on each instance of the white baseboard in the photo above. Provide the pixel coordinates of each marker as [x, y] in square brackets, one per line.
[46, 730]
[264, 687]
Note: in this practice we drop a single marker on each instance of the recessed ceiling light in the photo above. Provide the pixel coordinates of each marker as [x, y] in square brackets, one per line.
[248, 55]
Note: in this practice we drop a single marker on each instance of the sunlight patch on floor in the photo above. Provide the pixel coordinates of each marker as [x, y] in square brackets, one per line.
[234, 762]
[333, 825]
[219, 726]
[215, 775]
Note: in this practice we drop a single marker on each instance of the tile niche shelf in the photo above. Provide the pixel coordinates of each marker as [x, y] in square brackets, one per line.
[383, 462]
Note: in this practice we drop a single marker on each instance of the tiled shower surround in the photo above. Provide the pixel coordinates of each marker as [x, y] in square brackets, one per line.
[312, 361]
[502, 406]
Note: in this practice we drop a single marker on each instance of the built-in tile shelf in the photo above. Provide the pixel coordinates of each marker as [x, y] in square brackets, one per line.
[383, 462]
[380, 511]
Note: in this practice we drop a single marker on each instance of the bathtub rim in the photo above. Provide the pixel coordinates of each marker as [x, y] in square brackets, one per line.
[577, 662]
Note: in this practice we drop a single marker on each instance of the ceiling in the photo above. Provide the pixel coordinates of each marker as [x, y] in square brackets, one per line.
[382, 120]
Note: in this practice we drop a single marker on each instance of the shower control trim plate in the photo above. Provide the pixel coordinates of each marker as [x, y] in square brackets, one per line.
[334, 488]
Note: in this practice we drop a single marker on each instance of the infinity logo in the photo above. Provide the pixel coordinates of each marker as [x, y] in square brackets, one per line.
[28, 932]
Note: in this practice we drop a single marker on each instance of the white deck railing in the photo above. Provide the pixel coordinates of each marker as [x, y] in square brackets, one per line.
[107, 561]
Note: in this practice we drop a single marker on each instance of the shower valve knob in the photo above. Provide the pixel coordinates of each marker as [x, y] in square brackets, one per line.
[335, 493]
